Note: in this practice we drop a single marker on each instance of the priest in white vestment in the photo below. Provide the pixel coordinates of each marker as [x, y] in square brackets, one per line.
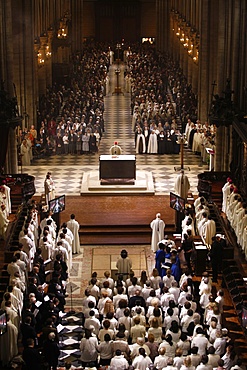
[158, 227]
[226, 192]
[209, 231]
[3, 222]
[182, 185]
[5, 192]
[49, 188]
[8, 344]
[74, 227]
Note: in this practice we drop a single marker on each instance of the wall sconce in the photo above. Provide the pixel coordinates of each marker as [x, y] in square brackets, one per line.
[47, 52]
[178, 32]
[196, 57]
[41, 60]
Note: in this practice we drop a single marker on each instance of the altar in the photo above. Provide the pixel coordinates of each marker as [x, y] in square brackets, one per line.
[117, 169]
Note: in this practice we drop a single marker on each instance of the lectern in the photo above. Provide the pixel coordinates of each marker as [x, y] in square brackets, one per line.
[201, 258]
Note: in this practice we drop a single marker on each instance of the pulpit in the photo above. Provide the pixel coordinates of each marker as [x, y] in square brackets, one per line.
[117, 169]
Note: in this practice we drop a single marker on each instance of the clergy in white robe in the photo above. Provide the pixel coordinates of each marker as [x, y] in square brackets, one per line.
[201, 224]
[153, 143]
[236, 210]
[25, 156]
[5, 191]
[3, 222]
[8, 343]
[239, 216]
[157, 226]
[209, 230]
[232, 207]
[182, 185]
[230, 198]
[49, 188]
[74, 227]
[226, 192]
[242, 225]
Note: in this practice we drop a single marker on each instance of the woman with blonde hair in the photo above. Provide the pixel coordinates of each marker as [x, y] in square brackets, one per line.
[187, 364]
[156, 330]
[155, 279]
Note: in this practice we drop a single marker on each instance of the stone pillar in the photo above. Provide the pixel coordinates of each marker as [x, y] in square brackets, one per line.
[204, 55]
[76, 25]
[12, 156]
[6, 74]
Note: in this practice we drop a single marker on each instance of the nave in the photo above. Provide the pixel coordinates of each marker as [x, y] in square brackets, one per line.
[67, 170]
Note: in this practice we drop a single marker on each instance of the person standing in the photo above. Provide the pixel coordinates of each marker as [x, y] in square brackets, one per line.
[209, 231]
[74, 226]
[49, 188]
[124, 264]
[31, 356]
[24, 151]
[182, 185]
[158, 227]
[51, 351]
[115, 149]
[215, 255]
[5, 190]
[188, 247]
[8, 343]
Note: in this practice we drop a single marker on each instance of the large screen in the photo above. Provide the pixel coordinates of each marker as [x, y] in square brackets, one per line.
[3, 322]
[57, 205]
[177, 203]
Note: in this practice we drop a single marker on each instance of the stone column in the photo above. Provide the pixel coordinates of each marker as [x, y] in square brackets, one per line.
[12, 157]
[76, 25]
[6, 74]
[204, 56]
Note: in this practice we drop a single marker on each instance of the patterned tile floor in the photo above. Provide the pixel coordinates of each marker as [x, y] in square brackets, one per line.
[67, 170]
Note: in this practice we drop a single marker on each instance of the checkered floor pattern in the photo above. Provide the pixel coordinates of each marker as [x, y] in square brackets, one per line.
[67, 170]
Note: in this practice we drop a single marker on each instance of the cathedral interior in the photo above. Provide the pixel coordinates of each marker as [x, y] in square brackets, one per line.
[206, 40]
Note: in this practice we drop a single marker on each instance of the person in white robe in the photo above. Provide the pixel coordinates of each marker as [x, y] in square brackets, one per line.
[235, 212]
[239, 216]
[74, 227]
[241, 232]
[158, 227]
[5, 192]
[4, 222]
[198, 201]
[230, 198]
[115, 149]
[226, 192]
[8, 343]
[182, 185]
[153, 143]
[25, 156]
[236, 200]
[209, 231]
[68, 248]
[197, 142]
[201, 225]
[49, 188]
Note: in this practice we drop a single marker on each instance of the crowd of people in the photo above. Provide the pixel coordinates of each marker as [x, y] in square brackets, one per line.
[161, 321]
[70, 117]
[34, 299]
[164, 106]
